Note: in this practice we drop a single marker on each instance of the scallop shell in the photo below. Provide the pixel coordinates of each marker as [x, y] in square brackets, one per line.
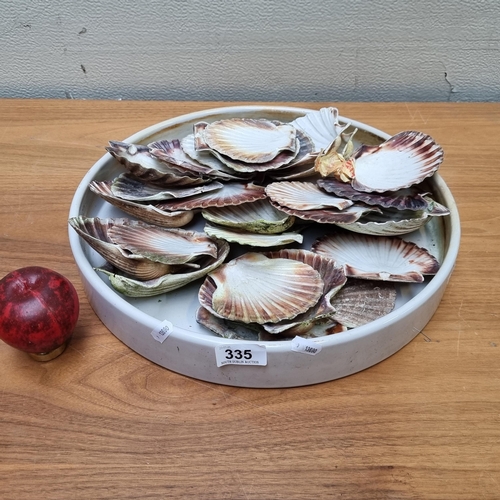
[322, 126]
[333, 280]
[390, 222]
[404, 199]
[328, 216]
[249, 140]
[252, 239]
[172, 152]
[142, 165]
[304, 196]
[256, 217]
[96, 233]
[142, 250]
[377, 257]
[170, 246]
[255, 289]
[285, 157]
[400, 162]
[146, 212]
[224, 328]
[360, 302]
[232, 193]
[129, 188]
[169, 282]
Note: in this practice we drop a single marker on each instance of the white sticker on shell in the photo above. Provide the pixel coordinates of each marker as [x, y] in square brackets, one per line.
[162, 331]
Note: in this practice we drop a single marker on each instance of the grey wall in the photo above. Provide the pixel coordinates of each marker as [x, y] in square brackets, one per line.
[386, 50]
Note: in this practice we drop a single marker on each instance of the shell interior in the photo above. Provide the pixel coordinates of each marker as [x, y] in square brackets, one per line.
[377, 257]
[249, 140]
[400, 162]
[257, 217]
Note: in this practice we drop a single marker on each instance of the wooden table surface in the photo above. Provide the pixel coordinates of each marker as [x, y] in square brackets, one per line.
[101, 422]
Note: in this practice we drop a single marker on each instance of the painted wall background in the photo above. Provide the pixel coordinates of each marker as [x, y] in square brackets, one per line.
[357, 50]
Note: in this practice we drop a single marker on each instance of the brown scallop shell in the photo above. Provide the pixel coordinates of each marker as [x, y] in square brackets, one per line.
[232, 193]
[146, 212]
[360, 301]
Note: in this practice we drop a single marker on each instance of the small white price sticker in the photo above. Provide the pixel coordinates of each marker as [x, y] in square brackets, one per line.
[162, 331]
[246, 354]
[306, 346]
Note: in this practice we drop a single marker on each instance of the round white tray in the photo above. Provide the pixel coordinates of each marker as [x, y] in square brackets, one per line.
[190, 348]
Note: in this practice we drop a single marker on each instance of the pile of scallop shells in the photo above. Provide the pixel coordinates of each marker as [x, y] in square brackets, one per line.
[259, 185]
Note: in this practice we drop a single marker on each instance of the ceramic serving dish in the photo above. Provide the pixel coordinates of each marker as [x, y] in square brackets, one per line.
[164, 330]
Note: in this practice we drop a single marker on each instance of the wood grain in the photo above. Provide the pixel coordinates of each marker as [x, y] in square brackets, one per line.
[101, 422]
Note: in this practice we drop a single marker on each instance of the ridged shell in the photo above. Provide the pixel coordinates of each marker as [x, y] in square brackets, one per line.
[170, 246]
[389, 222]
[142, 165]
[96, 233]
[283, 158]
[172, 152]
[129, 188]
[360, 302]
[249, 140]
[328, 216]
[232, 193]
[333, 280]
[205, 157]
[402, 161]
[226, 329]
[243, 237]
[322, 126]
[377, 257]
[255, 289]
[304, 196]
[169, 282]
[405, 199]
[257, 217]
[146, 212]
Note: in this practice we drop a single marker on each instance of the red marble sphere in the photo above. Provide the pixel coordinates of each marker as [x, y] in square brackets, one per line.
[38, 309]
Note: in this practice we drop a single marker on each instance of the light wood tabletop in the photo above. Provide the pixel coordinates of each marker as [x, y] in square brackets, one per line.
[101, 422]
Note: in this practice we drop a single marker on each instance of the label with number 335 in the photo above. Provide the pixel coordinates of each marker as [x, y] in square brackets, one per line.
[245, 354]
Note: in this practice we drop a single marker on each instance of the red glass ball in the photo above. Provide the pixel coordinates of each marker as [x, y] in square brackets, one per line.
[38, 309]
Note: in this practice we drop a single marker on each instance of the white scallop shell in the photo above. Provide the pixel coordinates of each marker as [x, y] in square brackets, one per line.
[243, 237]
[255, 289]
[287, 159]
[249, 140]
[322, 126]
[256, 217]
[304, 196]
[377, 257]
[400, 162]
